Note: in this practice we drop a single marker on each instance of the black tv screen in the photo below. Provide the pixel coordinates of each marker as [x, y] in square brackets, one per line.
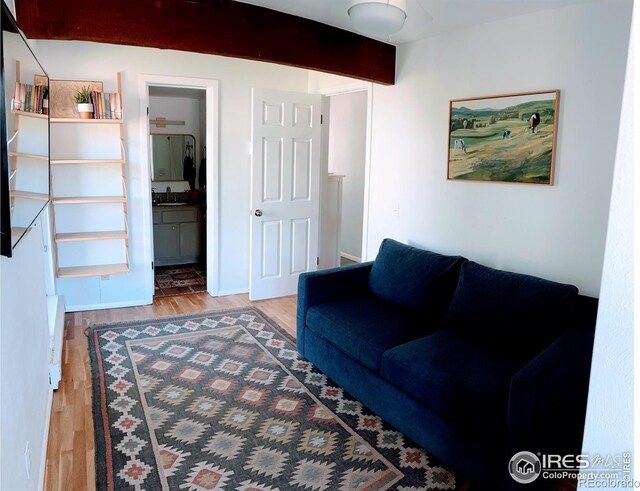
[24, 135]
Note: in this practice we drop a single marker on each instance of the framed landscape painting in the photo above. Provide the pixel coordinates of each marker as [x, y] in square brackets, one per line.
[505, 138]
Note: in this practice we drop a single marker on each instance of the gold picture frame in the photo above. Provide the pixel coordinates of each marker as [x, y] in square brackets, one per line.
[509, 138]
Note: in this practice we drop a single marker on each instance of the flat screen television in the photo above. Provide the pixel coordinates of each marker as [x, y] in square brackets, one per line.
[24, 135]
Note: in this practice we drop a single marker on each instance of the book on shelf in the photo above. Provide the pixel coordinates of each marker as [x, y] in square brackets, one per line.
[106, 105]
[29, 98]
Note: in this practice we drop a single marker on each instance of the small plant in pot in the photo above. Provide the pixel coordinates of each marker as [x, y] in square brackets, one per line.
[83, 100]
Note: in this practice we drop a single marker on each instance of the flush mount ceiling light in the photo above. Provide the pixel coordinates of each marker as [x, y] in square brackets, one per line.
[378, 18]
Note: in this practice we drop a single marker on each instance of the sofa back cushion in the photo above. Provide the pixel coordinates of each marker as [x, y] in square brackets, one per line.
[519, 311]
[420, 280]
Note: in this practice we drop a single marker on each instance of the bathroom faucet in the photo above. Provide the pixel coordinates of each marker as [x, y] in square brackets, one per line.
[168, 193]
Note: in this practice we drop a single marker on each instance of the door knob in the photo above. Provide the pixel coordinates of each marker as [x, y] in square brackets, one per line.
[258, 213]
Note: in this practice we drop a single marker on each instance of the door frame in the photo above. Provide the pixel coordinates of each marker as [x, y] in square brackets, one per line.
[324, 151]
[212, 90]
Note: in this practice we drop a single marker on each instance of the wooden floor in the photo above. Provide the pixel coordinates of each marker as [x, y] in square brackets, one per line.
[70, 456]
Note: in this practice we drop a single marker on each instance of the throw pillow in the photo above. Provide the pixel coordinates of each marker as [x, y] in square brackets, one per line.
[420, 280]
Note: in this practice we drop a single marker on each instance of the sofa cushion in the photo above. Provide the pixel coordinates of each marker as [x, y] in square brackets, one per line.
[521, 312]
[421, 280]
[364, 329]
[462, 381]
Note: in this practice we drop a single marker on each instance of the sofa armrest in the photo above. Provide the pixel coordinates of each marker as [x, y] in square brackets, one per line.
[548, 396]
[329, 285]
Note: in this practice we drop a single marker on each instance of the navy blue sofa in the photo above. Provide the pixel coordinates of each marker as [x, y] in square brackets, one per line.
[472, 363]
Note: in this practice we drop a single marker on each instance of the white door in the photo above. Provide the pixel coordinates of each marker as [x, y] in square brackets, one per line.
[285, 185]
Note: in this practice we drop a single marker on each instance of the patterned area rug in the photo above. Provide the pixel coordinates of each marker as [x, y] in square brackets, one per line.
[222, 400]
[179, 280]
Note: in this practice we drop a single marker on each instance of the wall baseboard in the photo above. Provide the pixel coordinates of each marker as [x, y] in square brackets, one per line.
[350, 257]
[102, 306]
[233, 291]
[45, 442]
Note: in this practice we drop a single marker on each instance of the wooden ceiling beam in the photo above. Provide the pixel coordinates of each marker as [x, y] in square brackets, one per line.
[218, 27]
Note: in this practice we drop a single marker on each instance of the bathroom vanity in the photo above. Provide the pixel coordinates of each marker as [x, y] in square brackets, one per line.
[178, 233]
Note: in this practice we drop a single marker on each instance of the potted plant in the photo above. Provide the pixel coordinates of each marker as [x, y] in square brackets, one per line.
[83, 100]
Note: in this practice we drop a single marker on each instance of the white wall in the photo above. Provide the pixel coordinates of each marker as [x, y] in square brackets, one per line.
[558, 231]
[24, 356]
[609, 423]
[94, 61]
[347, 152]
[187, 109]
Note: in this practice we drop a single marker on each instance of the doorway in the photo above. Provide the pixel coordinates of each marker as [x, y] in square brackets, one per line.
[177, 128]
[344, 210]
[181, 134]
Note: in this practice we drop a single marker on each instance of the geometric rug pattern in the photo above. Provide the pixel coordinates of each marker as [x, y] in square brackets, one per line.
[179, 280]
[222, 400]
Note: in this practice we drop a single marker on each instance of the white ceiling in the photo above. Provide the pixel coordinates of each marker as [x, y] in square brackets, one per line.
[425, 18]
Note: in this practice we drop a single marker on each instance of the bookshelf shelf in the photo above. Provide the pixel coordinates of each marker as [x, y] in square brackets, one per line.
[32, 156]
[86, 161]
[31, 115]
[84, 236]
[94, 270]
[86, 121]
[29, 195]
[92, 169]
[85, 200]
[26, 144]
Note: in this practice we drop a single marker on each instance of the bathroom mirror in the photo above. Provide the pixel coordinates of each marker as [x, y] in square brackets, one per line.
[24, 167]
[168, 154]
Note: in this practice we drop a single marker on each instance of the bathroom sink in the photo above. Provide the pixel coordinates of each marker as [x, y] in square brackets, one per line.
[172, 204]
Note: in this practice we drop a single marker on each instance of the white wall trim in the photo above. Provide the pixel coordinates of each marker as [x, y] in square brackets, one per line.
[350, 257]
[101, 306]
[356, 86]
[233, 291]
[348, 89]
[45, 442]
[211, 87]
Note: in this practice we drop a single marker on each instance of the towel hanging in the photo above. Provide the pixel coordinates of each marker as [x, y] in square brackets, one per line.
[189, 172]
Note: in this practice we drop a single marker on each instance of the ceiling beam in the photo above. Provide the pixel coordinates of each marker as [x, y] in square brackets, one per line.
[218, 27]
